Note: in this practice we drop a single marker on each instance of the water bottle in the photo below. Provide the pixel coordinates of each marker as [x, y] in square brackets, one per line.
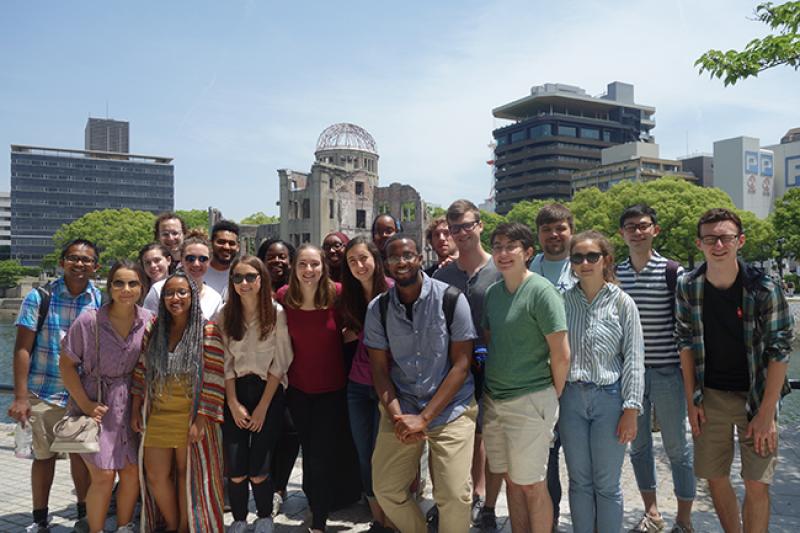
[480, 352]
[23, 440]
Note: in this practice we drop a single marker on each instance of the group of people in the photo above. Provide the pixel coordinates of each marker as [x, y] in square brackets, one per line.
[208, 370]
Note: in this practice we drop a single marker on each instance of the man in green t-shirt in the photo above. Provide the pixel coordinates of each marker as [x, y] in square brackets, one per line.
[526, 329]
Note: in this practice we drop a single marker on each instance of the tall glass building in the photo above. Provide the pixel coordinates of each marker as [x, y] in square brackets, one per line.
[54, 186]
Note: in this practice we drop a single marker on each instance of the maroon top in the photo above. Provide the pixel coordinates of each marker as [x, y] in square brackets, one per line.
[318, 364]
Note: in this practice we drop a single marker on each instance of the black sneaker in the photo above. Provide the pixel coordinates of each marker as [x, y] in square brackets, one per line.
[488, 521]
[432, 517]
[475, 512]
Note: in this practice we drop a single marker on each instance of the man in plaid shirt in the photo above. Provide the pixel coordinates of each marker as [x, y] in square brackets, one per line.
[733, 328]
[39, 395]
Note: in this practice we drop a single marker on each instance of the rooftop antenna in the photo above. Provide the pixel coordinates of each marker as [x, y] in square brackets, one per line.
[106, 109]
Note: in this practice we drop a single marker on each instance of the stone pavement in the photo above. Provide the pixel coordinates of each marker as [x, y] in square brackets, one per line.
[15, 496]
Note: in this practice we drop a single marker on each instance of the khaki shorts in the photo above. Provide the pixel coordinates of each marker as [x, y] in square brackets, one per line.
[43, 417]
[713, 449]
[518, 434]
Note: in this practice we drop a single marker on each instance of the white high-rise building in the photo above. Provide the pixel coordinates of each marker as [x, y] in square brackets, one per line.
[746, 172]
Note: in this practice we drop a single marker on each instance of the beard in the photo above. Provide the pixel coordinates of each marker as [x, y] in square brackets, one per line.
[411, 280]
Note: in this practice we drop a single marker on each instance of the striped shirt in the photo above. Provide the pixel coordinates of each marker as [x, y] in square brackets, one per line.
[605, 340]
[655, 302]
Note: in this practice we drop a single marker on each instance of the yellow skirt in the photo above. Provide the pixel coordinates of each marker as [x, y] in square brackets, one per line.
[168, 423]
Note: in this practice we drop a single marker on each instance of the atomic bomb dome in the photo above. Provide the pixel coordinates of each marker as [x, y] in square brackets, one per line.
[344, 136]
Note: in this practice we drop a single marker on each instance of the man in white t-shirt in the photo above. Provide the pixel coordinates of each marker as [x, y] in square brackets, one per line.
[224, 249]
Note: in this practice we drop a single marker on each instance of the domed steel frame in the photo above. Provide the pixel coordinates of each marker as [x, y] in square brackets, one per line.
[346, 136]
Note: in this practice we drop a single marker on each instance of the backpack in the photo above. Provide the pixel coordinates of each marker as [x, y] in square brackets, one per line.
[449, 302]
[44, 304]
[672, 282]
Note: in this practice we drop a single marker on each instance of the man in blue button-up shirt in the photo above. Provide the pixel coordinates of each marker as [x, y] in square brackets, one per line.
[426, 393]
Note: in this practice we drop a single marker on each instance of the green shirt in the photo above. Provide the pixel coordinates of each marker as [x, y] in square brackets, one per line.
[519, 356]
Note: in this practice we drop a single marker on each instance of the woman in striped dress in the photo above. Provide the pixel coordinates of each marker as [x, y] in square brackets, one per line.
[603, 394]
[178, 395]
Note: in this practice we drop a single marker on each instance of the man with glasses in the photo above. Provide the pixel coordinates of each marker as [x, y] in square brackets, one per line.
[425, 391]
[734, 329]
[650, 280]
[40, 398]
[169, 231]
[472, 273]
[224, 249]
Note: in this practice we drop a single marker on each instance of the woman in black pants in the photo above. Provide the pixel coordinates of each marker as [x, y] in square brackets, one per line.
[258, 353]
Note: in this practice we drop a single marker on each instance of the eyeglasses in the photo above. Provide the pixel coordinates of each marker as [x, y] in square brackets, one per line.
[455, 229]
[641, 226]
[592, 257]
[498, 249]
[406, 256]
[332, 246]
[193, 258]
[179, 293]
[250, 277]
[711, 240]
[119, 284]
[85, 259]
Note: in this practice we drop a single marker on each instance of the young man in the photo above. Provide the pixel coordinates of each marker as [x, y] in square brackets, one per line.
[39, 395]
[734, 330]
[526, 325]
[438, 237]
[169, 231]
[554, 229]
[224, 249]
[650, 280]
[425, 391]
[472, 273]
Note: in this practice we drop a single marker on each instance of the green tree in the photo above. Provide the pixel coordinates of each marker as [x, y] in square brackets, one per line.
[525, 212]
[11, 271]
[759, 243]
[119, 233]
[779, 48]
[194, 218]
[490, 221]
[786, 221]
[260, 218]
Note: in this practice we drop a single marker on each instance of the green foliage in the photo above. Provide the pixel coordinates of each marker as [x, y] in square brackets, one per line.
[781, 48]
[759, 244]
[11, 271]
[435, 211]
[490, 221]
[119, 233]
[260, 218]
[525, 212]
[786, 220]
[792, 278]
[194, 218]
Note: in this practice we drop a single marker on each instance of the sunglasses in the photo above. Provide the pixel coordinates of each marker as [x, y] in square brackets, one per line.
[592, 257]
[193, 258]
[249, 277]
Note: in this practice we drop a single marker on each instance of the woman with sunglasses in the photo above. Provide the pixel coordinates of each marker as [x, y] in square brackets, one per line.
[258, 352]
[195, 254]
[317, 381]
[605, 384]
[106, 345]
[178, 402]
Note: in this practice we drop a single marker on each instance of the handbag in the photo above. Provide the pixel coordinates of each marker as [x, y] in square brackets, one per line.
[80, 433]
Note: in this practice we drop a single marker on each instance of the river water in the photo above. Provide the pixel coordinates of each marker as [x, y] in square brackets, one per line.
[790, 414]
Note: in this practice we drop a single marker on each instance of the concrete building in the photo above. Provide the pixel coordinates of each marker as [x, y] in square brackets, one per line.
[746, 172]
[5, 225]
[559, 129]
[636, 161]
[787, 162]
[54, 186]
[342, 193]
[106, 135]
[702, 166]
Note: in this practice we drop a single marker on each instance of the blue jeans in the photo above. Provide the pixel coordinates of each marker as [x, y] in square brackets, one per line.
[664, 391]
[588, 425]
[362, 405]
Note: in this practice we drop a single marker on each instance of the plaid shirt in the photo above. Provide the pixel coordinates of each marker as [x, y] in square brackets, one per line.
[767, 324]
[44, 377]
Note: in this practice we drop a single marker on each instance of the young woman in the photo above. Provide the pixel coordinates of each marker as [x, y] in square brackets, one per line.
[106, 344]
[605, 384]
[195, 255]
[257, 355]
[333, 245]
[277, 256]
[362, 280]
[178, 388]
[156, 260]
[383, 227]
[316, 396]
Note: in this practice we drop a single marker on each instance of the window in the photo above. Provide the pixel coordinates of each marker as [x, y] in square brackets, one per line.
[306, 237]
[607, 136]
[519, 136]
[501, 140]
[568, 131]
[361, 219]
[306, 208]
[408, 212]
[360, 188]
[383, 208]
[542, 130]
[590, 133]
[330, 208]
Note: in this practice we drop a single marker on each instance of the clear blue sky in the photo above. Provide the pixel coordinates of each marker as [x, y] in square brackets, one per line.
[235, 90]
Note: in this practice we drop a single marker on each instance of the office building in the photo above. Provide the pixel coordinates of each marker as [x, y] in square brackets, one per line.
[559, 129]
[702, 166]
[746, 172]
[54, 186]
[787, 162]
[5, 225]
[106, 135]
[628, 162]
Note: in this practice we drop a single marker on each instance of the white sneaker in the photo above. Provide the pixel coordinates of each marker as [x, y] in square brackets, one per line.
[36, 528]
[277, 503]
[263, 525]
[127, 528]
[239, 526]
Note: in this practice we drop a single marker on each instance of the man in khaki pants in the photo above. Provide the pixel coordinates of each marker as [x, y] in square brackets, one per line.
[425, 389]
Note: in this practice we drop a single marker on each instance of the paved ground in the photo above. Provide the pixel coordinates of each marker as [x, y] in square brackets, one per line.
[15, 496]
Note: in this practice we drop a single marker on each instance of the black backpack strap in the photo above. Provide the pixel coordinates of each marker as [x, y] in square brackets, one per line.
[44, 304]
[449, 302]
[672, 275]
[383, 307]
